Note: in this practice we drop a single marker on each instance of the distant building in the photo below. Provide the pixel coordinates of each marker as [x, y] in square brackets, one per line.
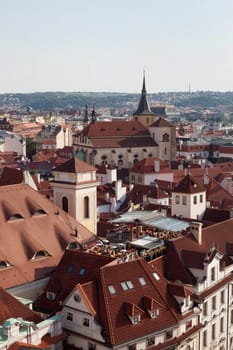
[122, 143]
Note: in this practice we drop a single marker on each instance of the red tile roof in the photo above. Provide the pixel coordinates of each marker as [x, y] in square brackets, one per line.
[189, 185]
[75, 165]
[11, 307]
[118, 133]
[185, 252]
[11, 176]
[30, 223]
[147, 166]
[161, 123]
[67, 275]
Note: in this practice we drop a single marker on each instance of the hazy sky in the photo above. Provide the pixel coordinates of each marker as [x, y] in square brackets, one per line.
[103, 45]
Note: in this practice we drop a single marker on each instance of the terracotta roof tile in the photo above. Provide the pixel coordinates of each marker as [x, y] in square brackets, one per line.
[75, 165]
[189, 185]
[161, 123]
[11, 307]
[21, 209]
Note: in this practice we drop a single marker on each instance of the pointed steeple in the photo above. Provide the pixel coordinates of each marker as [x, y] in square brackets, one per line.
[86, 115]
[93, 115]
[143, 106]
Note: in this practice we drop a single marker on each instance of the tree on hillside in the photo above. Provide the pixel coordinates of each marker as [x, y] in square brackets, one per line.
[30, 147]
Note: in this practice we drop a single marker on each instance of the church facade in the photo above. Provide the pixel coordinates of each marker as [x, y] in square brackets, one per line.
[123, 143]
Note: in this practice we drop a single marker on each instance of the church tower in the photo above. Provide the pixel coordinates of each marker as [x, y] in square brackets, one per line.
[75, 191]
[143, 113]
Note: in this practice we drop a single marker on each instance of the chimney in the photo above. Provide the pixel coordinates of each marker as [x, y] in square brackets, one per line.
[196, 230]
[157, 165]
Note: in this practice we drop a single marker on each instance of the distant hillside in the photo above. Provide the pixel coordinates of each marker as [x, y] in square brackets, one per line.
[62, 100]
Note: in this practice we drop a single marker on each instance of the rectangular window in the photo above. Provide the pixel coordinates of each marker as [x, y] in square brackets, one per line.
[222, 297]
[184, 200]
[201, 198]
[132, 347]
[231, 316]
[205, 338]
[69, 316]
[205, 308]
[150, 341]
[177, 199]
[86, 322]
[222, 324]
[91, 346]
[214, 303]
[213, 274]
[136, 319]
[168, 335]
[195, 200]
[213, 331]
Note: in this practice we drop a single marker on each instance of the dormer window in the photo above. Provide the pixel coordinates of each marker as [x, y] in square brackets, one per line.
[40, 254]
[142, 281]
[136, 319]
[156, 276]
[111, 289]
[127, 285]
[4, 264]
[154, 313]
[39, 212]
[15, 217]
[133, 312]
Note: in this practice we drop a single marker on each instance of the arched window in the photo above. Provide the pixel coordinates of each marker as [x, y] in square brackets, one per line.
[65, 205]
[86, 207]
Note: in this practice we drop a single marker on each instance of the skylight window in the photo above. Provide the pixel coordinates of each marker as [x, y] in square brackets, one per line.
[126, 285]
[156, 276]
[82, 271]
[111, 289]
[142, 281]
[70, 268]
[129, 284]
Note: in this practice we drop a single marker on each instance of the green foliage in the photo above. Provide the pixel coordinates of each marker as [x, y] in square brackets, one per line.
[30, 147]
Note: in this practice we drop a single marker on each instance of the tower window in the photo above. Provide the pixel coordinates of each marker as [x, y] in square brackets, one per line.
[86, 207]
[65, 205]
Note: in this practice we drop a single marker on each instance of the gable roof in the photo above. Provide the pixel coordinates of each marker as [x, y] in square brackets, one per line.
[75, 267]
[189, 185]
[117, 326]
[115, 128]
[185, 252]
[217, 195]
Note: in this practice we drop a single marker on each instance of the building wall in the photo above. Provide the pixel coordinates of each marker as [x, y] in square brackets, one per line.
[192, 207]
[167, 149]
[145, 119]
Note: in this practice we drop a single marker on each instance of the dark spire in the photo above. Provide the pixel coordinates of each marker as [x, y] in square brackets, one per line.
[143, 106]
[86, 115]
[93, 115]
